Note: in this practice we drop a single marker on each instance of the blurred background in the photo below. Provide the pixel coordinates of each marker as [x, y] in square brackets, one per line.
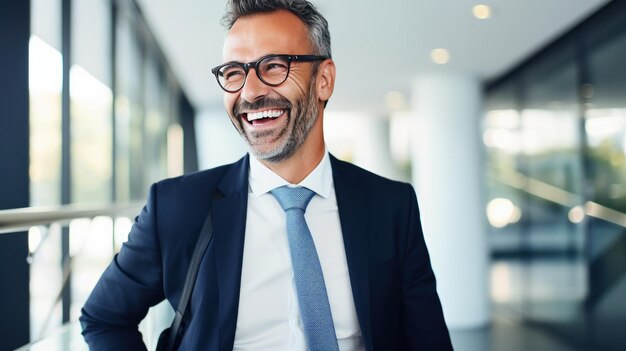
[508, 117]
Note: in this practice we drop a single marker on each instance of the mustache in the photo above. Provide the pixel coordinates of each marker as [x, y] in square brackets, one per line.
[264, 103]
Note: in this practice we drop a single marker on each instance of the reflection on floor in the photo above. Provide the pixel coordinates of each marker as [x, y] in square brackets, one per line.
[505, 334]
[542, 304]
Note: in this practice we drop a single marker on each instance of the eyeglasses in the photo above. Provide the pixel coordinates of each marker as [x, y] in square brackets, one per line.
[272, 70]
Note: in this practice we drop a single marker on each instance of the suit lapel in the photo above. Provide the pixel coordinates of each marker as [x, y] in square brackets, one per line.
[353, 210]
[229, 218]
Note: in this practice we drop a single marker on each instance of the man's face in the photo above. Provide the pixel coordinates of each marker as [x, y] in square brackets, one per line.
[275, 121]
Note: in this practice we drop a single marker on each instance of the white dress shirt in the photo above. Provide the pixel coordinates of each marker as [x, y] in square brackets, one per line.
[269, 316]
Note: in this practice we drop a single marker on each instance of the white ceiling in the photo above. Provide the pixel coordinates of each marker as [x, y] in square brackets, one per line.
[378, 46]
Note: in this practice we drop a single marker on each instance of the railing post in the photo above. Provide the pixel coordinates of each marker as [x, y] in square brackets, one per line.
[66, 294]
[66, 198]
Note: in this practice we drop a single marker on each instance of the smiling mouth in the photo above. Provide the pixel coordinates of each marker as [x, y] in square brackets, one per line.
[261, 117]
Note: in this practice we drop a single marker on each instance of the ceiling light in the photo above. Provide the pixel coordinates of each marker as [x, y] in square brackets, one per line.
[440, 56]
[481, 11]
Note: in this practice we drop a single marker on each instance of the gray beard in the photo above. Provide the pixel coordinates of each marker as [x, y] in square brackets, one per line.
[304, 115]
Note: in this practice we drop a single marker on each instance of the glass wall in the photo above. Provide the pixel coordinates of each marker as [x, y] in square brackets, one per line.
[91, 99]
[123, 100]
[128, 110]
[555, 137]
[605, 126]
[45, 84]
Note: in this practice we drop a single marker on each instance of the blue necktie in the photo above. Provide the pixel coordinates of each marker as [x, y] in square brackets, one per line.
[317, 320]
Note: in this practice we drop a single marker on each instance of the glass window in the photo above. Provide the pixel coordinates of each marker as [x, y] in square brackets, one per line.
[91, 138]
[571, 169]
[551, 127]
[118, 139]
[501, 136]
[605, 127]
[91, 99]
[129, 113]
[172, 149]
[155, 121]
[45, 83]
[46, 21]
[550, 121]
[505, 201]
[532, 137]
[501, 127]
[605, 123]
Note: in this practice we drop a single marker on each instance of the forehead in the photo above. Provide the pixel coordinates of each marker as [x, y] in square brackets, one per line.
[278, 32]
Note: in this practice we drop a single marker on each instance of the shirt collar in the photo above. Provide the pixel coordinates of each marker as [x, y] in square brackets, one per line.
[262, 179]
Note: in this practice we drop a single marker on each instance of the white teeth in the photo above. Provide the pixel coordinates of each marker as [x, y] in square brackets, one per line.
[264, 114]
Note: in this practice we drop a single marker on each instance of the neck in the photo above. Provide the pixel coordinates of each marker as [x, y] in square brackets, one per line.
[300, 164]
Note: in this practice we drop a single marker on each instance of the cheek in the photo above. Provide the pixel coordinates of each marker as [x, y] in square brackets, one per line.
[298, 85]
[292, 92]
[229, 102]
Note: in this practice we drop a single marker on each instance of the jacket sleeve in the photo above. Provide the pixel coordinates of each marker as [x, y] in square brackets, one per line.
[129, 286]
[424, 324]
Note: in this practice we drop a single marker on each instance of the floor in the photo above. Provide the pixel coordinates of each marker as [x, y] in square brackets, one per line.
[506, 334]
[503, 334]
[536, 305]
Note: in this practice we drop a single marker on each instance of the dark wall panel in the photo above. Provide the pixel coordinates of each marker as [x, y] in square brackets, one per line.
[14, 181]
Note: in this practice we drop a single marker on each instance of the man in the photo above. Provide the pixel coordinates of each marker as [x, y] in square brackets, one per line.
[365, 283]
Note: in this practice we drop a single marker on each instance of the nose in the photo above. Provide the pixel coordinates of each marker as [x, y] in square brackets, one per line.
[253, 88]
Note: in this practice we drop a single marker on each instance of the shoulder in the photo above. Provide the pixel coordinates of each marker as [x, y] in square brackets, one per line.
[356, 177]
[204, 177]
[194, 179]
[178, 206]
[200, 184]
[383, 197]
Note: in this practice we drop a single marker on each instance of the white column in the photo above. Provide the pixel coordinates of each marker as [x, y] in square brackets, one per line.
[448, 174]
[217, 140]
[372, 149]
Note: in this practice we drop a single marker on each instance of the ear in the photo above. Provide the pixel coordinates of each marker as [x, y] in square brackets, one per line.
[325, 83]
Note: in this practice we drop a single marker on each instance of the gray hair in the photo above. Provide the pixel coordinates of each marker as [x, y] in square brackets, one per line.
[316, 24]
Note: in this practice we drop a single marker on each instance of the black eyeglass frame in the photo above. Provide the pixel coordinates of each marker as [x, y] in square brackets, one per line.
[255, 64]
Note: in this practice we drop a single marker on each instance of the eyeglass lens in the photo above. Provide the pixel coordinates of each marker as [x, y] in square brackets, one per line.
[271, 70]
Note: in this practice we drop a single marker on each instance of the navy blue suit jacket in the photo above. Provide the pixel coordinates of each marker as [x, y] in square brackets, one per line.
[392, 281]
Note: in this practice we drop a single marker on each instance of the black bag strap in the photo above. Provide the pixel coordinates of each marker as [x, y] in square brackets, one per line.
[192, 272]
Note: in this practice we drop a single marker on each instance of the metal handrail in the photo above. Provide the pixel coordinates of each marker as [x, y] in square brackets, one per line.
[559, 196]
[19, 219]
